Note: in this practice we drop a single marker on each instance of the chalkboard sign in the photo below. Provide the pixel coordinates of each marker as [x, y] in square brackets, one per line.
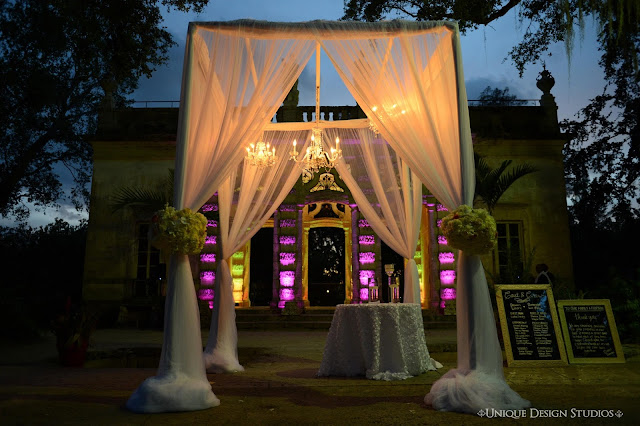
[590, 332]
[530, 325]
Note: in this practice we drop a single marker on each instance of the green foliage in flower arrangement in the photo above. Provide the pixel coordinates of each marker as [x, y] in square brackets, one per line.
[178, 231]
[471, 230]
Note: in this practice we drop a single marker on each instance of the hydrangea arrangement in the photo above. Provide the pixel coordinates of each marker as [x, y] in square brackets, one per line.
[178, 231]
[471, 230]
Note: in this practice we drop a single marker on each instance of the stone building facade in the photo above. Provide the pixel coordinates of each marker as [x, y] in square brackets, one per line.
[135, 147]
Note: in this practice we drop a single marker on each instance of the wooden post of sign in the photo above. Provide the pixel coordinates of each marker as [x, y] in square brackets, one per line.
[590, 332]
[530, 328]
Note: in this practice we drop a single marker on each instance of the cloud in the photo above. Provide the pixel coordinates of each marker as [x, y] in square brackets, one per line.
[476, 85]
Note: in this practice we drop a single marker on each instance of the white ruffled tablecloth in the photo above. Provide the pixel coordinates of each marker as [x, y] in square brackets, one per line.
[381, 341]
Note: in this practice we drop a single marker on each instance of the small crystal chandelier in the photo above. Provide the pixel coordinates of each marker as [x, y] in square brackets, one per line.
[316, 157]
[391, 112]
[260, 156]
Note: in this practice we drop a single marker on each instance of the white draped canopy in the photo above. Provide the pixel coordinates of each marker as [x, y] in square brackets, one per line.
[407, 77]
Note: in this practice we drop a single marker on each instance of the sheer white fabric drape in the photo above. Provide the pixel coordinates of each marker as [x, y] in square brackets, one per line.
[247, 199]
[232, 86]
[387, 193]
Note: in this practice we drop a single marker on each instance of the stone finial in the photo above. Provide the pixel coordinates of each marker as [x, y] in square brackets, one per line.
[545, 83]
[108, 86]
[293, 96]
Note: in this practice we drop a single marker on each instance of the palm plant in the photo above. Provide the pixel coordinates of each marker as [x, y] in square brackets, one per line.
[491, 184]
[144, 198]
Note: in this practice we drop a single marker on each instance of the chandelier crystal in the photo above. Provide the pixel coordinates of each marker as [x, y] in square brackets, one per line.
[260, 155]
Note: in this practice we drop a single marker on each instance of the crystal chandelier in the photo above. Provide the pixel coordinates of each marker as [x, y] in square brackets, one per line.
[391, 112]
[260, 155]
[316, 157]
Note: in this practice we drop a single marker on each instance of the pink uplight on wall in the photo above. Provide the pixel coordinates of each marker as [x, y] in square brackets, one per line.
[210, 208]
[208, 257]
[439, 223]
[286, 294]
[287, 223]
[287, 208]
[210, 304]
[363, 223]
[205, 294]
[210, 239]
[207, 277]
[287, 240]
[287, 278]
[447, 276]
[287, 258]
[212, 223]
[442, 240]
[366, 240]
[366, 275]
[364, 293]
[441, 208]
[446, 257]
[367, 257]
[448, 293]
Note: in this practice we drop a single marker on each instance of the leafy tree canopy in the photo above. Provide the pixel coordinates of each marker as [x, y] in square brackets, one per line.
[57, 58]
[602, 158]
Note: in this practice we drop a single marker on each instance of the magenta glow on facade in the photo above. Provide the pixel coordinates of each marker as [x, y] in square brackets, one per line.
[366, 274]
[208, 257]
[442, 240]
[448, 293]
[205, 294]
[446, 257]
[287, 223]
[207, 277]
[447, 276]
[366, 240]
[439, 222]
[210, 208]
[286, 294]
[287, 240]
[212, 223]
[287, 258]
[441, 208]
[367, 257]
[363, 223]
[210, 239]
[210, 304]
[287, 278]
[287, 208]
[364, 293]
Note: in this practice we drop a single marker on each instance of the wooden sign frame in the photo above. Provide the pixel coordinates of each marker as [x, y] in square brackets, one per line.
[613, 330]
[509, 345]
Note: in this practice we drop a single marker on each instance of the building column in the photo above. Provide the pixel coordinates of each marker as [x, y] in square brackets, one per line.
[276, 260]
[299, 296]
[355, 250]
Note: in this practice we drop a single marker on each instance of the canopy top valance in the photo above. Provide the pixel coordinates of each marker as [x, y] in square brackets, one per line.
[320, 29]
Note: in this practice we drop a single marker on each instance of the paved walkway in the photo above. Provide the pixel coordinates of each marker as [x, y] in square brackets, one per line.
[279, 386]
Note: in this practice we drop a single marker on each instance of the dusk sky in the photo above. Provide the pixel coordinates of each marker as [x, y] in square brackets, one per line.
[484, 52]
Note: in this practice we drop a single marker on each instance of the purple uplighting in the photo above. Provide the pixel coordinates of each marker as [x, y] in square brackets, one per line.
[363, 223]
[287, 223]
[364, 293]
[442, 240]
[210, 208]
[441, 208]
[287, 278]
[286, 294]
[205, 294]
[368, 275]
[212, 223]
[207, 277]
[447, 276]
[446, 257]
[288, 208]
[439, 222]
[287, 240]
[367, 257]
[210, 239]
[287, 258]
[448, 293]
[366, 240]
[208, 257]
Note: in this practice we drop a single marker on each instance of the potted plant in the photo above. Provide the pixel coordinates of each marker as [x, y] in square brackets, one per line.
[73, 328]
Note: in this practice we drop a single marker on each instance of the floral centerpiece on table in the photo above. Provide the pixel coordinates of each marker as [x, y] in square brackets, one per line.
[178, 231]
[471, 230]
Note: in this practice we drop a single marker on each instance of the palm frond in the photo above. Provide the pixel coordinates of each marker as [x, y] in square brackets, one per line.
[151, 199]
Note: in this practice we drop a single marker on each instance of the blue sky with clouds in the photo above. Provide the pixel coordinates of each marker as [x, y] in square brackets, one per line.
[484, 52]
